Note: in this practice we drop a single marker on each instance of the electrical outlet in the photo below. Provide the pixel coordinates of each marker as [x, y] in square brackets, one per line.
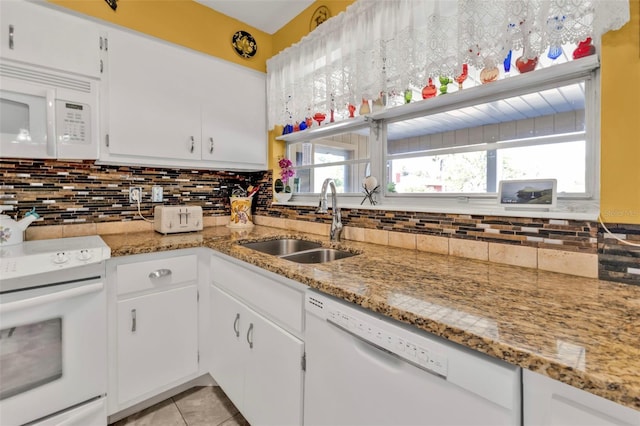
[135, 194]
[156, 194]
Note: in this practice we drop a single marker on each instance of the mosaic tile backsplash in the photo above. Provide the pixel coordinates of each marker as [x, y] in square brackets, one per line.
[77, 192]
[568, 235]
[617, 260]
[84, 192]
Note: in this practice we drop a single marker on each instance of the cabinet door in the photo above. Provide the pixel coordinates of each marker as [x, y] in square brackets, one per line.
[228, 319]
[273, 384]
[153, 109]
[39, 35]
[548, 402]
[234, 130]
[157, 338]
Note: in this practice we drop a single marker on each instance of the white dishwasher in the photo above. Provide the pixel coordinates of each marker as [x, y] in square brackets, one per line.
[365, 369]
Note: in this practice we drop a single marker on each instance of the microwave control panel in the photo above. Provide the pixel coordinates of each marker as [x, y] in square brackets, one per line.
[73, 123]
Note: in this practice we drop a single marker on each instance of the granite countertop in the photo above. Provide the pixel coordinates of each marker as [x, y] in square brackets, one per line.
[583, 332]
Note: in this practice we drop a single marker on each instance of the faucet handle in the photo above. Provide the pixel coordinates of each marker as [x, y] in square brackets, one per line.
[322, 205]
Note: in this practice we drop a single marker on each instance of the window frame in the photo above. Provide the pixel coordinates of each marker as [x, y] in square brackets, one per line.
[570, 205]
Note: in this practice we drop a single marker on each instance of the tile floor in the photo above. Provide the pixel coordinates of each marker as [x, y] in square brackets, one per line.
[198, 406]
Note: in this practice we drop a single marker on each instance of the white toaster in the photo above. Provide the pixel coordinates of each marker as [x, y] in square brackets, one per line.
[171, 219]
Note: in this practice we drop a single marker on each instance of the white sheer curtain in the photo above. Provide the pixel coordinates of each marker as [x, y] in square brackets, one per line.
[387, 46]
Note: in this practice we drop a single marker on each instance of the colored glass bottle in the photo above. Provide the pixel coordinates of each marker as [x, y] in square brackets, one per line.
[462, 77]
[487, 75]
[525, 64]
[507, 62]
[408, 94]
[585, 48]
[364, 107]
[429, 91]
[444, 82]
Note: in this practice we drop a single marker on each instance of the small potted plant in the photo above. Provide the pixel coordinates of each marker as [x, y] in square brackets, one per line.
[281, 185]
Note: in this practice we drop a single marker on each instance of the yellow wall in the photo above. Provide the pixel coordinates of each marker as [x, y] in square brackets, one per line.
[299, 26]
[205, 30]
[620, 123]
[183, 22]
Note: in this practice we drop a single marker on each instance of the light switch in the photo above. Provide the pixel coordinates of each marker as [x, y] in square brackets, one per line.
[156, 194]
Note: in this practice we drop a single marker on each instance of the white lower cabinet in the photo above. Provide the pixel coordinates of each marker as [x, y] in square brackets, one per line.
[257, 363]
[154, 317]
[157, 341]
[548, 402]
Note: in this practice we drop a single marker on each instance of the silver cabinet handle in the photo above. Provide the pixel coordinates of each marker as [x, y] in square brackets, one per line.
[11, 37]
[160, 273]
[192, 144]
[133, 320]
[211, 146]
[250, 336]
[236, 329]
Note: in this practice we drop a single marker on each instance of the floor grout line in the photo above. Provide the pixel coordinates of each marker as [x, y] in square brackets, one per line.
[179, 411]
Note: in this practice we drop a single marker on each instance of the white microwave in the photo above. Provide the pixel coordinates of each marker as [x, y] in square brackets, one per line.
[47, 114]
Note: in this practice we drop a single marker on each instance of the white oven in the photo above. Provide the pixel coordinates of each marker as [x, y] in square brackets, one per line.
[47, 114]
[53, 343]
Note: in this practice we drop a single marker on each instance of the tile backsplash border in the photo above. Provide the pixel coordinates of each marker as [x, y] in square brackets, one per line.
[85, 198]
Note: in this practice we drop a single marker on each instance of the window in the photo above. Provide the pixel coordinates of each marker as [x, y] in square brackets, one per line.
[469, 150]
[344, 157]
[450, 153]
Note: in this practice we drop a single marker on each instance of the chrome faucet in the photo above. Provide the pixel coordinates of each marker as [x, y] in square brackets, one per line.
[336, 222]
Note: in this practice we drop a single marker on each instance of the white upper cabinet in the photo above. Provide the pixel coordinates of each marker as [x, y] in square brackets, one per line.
[234, 128]
[152, 110]
[170, 106]
[39, 35]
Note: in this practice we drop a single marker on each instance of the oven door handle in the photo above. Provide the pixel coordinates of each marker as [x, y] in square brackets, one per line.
[50, 298]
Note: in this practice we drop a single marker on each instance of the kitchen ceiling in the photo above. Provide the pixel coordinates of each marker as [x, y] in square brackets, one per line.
[266, 15]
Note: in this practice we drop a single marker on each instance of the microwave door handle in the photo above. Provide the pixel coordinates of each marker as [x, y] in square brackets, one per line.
[52, 142]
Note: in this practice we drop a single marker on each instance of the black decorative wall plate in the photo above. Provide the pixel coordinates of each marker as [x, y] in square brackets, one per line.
[244, 44]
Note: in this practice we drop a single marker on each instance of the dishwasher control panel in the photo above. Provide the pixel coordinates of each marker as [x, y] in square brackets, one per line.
[415, 349]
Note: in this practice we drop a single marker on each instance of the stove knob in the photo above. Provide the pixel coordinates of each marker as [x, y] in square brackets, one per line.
[61, 257]
[84, 255]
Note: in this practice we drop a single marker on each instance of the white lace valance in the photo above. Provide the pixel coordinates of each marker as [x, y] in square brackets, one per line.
[388, 46]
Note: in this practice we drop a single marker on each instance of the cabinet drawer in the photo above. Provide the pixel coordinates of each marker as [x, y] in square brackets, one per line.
[271, 298]
[156, 274]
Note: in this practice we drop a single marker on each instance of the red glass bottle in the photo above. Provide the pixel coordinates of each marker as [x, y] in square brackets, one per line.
[462, 77]
[429, 91]
[585, 48]
[525, 64]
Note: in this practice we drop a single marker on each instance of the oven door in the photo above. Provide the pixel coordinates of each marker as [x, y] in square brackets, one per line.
[27, 120]
[52, 349]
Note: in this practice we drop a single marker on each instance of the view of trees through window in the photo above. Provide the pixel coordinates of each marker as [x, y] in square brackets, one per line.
[480, 171]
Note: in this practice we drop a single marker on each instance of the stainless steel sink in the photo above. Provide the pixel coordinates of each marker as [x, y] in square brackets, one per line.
[319, 255]
[299, 251]
[282, 246]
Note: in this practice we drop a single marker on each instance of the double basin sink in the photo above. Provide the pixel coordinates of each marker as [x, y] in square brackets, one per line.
[299, 251]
